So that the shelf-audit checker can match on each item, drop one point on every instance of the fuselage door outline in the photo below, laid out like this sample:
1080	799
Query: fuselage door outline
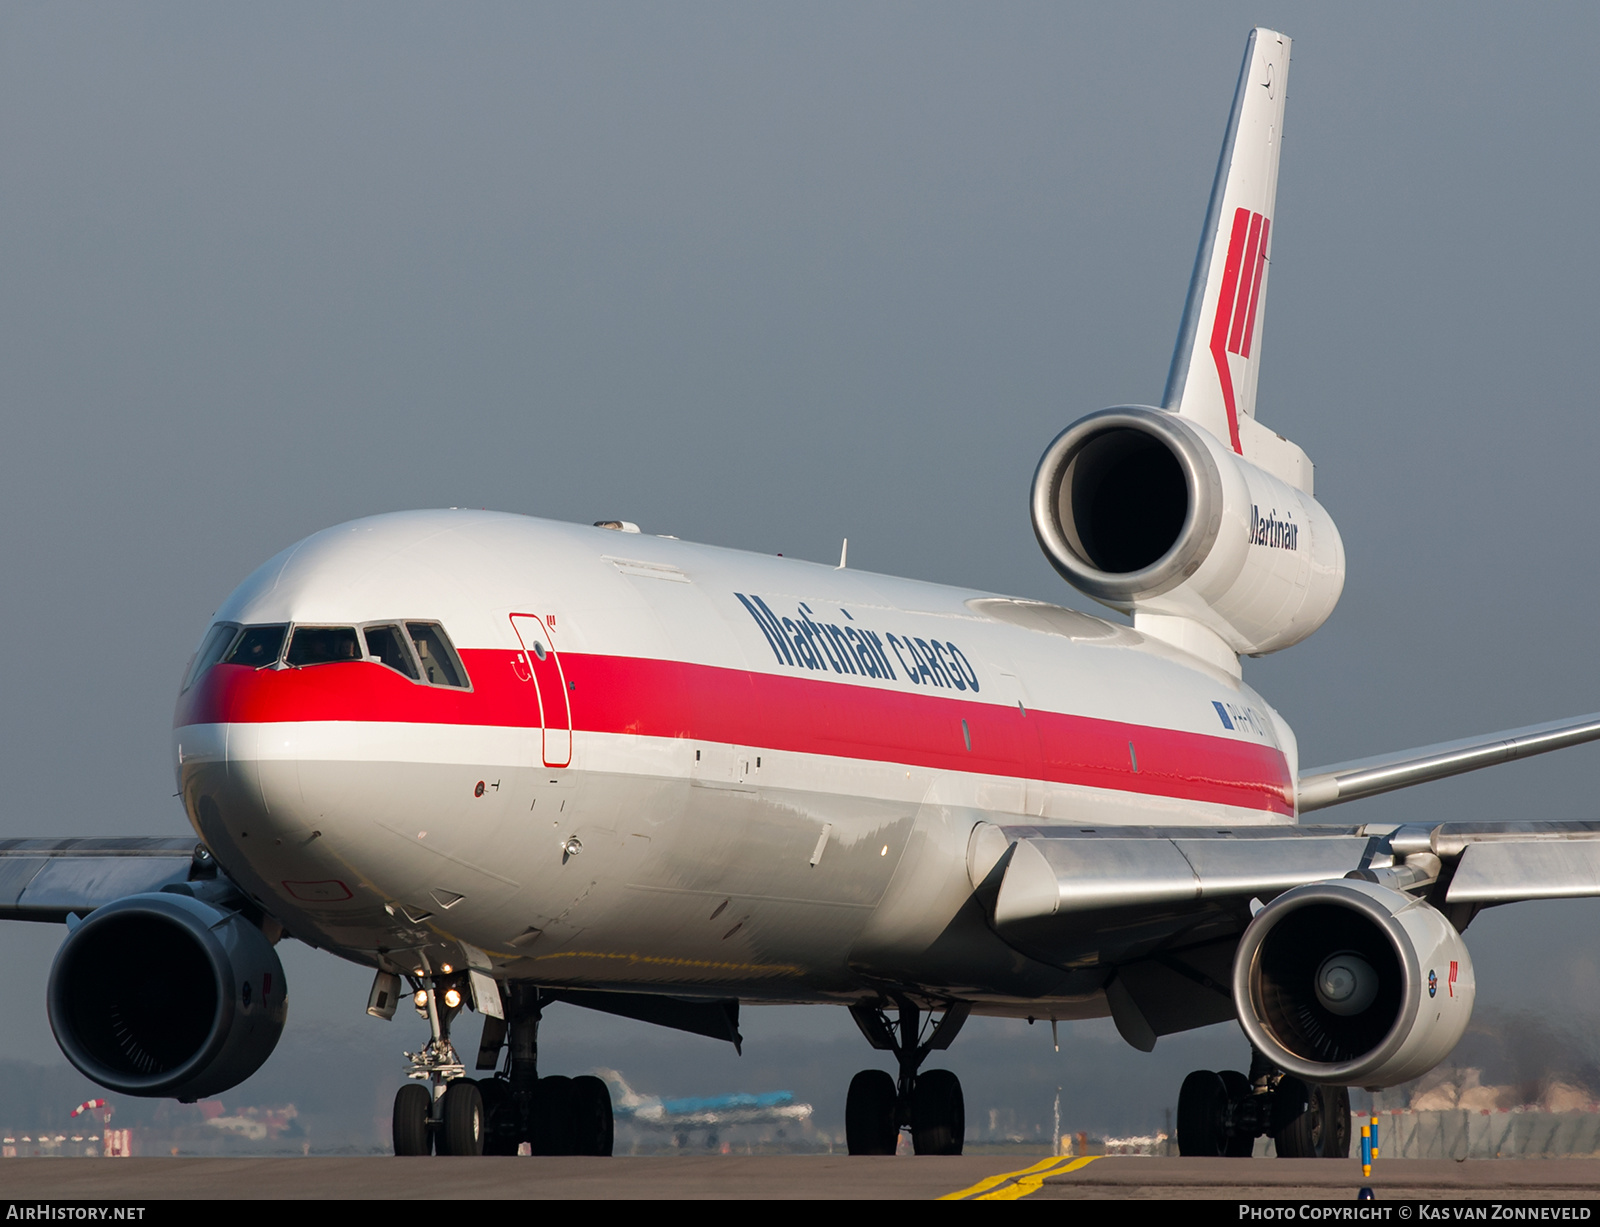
543	665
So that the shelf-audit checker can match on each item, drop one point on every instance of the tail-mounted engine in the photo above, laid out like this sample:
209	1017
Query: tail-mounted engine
1353	984
164	994
1149	513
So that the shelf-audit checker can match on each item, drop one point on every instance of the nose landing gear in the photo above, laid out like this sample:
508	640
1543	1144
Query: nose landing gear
413	1130
447	1114
929	1104
512	1112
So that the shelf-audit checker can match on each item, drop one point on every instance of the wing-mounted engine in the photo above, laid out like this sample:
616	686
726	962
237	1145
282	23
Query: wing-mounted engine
1352	983
1151	514
165	994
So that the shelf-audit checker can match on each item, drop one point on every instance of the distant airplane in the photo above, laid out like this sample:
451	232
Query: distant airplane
712	1112
513	762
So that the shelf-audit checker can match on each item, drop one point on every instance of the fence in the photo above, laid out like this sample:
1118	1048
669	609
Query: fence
1465	1134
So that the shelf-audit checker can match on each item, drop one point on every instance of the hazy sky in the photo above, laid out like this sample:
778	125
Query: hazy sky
768	276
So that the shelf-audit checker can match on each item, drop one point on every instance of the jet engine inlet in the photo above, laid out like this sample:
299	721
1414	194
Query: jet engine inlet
163	994
1350	983
1148	513
1126	503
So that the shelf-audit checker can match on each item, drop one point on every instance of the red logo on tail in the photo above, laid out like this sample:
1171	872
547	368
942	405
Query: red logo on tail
1242	274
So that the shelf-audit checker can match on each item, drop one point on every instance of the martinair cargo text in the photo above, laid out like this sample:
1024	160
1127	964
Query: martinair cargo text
506	762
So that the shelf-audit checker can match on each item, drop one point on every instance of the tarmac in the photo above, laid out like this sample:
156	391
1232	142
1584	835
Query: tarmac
792	1178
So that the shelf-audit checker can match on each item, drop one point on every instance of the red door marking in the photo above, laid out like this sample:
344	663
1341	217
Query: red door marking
539	658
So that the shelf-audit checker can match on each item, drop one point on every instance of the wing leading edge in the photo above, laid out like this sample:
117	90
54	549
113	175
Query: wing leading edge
51	879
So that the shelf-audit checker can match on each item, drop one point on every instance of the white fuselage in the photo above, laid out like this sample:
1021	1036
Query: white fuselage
728	773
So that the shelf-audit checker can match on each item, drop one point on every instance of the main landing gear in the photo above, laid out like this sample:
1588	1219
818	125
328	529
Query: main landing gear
1222	1114
929	1104
513	1112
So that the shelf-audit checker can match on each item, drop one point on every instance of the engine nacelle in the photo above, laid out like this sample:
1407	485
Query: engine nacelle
163	994
1147	512
1354	984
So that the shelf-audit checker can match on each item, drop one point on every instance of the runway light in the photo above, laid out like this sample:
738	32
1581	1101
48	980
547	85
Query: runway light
452	997
420	999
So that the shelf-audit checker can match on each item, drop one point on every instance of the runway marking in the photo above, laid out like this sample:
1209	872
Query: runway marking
1026	1181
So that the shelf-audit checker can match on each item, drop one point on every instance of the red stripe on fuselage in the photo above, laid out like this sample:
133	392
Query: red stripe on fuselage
665	698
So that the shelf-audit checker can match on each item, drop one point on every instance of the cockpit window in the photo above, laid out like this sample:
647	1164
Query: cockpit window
440	664
257	646
216	642
398	646
323	645
387	646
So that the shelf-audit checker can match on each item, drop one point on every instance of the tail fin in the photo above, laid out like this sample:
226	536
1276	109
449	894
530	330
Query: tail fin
1218	356
621	1093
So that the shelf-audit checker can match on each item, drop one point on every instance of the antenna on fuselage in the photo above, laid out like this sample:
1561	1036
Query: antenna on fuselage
844	552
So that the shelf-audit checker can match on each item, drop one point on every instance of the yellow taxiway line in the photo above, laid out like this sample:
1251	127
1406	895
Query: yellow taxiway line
1028	1180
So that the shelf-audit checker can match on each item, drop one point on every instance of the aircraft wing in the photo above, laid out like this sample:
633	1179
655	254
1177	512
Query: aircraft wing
1159	910
1367	777
50	879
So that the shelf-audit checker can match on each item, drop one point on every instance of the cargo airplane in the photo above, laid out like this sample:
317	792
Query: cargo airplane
505	762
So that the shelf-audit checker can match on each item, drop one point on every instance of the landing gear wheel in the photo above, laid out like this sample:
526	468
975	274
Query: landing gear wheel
499	1117
869	1125
461	1126
1313	1121
591	1116
411	1105
553	1132
1202	1102
938	1114
1239	1145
